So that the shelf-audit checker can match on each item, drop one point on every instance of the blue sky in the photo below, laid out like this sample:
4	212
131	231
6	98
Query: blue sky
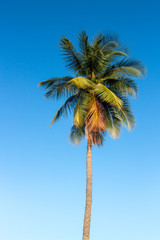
42	176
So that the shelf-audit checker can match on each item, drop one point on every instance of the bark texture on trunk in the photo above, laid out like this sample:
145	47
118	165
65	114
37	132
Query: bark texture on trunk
87	216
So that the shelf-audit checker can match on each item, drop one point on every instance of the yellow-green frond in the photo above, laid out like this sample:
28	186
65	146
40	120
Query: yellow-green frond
81	83
105	94
80	111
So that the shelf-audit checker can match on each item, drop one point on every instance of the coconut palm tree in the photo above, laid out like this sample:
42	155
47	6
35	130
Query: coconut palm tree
97	94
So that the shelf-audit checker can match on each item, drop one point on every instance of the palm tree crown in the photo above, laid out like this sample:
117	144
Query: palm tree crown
103	78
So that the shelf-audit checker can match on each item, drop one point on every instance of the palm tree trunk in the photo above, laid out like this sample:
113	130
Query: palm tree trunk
87	216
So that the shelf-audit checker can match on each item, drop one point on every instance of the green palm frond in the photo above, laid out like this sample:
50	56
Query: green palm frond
125	68
92	57
125	86
115	53
71	56
60	90
113	123
66	108
94	64
58	87
77	134
125	115
110	41
50	82
131	68
108	46
84	46
98	40
102	137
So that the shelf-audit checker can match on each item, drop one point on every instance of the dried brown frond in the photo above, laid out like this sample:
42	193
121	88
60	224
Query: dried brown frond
95	121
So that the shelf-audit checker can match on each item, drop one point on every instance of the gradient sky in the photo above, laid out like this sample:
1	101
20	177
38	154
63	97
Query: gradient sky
42	176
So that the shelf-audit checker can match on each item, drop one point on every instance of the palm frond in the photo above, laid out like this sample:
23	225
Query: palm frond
71	56
60	91
76	134
125	68
116	127
50	82
106	95
110	40
125	86
125	115
66	108
80	111
102	138
113	124
58	87
84	46
81	83
115	53
131	68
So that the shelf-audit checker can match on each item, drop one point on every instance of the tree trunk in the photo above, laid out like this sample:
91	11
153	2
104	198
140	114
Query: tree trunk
87	216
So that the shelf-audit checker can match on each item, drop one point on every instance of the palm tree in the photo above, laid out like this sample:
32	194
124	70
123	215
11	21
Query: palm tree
103	78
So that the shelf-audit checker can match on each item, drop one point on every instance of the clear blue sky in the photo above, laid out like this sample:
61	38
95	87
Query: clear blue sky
42	176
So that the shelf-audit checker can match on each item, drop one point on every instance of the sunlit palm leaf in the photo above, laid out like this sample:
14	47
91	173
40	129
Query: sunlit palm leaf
107	95
80	111
81	83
